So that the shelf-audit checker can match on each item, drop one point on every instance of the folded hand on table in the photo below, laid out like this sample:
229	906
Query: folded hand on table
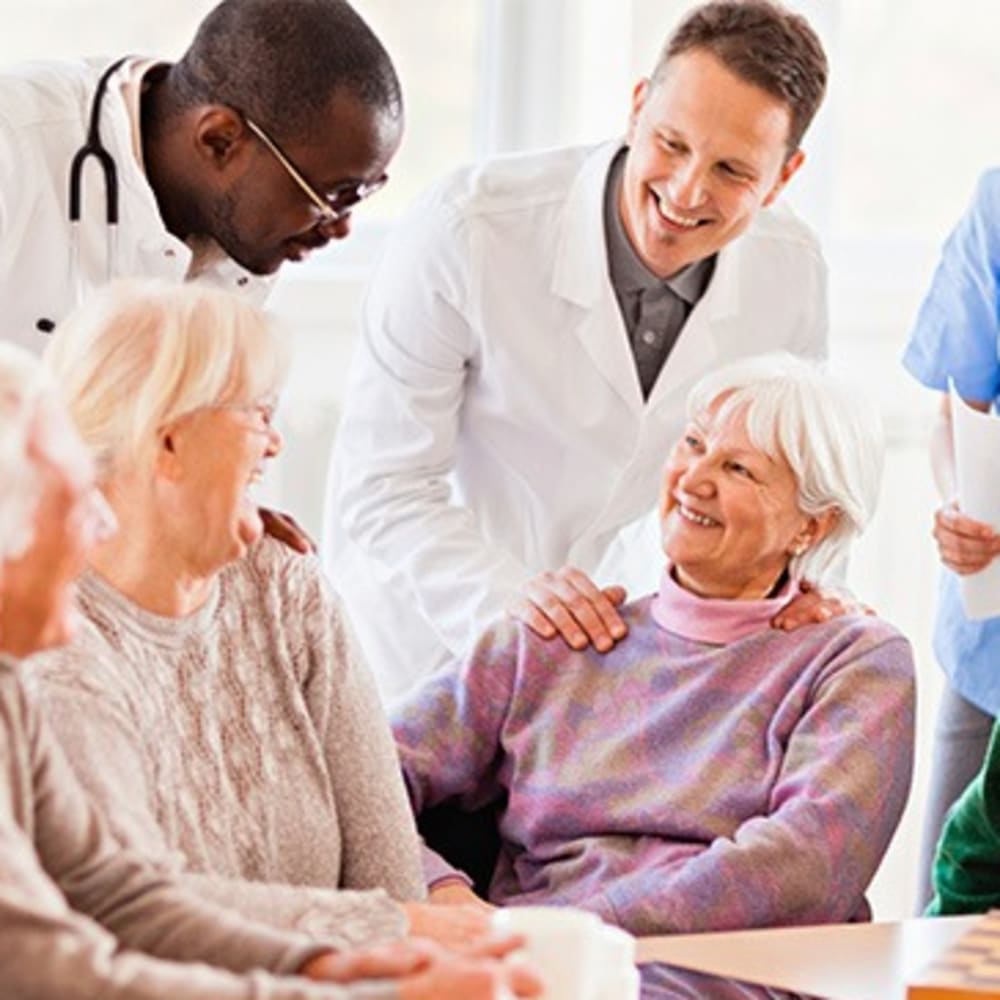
455	917
425	971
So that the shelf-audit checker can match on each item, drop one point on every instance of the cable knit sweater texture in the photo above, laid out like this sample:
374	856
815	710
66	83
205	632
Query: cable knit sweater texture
243	746
82	918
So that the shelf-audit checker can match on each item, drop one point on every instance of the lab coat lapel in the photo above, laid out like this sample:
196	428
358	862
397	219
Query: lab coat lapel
581	277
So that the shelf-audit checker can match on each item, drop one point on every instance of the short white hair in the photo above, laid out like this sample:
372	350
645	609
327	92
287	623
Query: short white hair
139	354
24	385
830	436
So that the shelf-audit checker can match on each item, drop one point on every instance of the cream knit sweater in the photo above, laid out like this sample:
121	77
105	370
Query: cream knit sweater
242	746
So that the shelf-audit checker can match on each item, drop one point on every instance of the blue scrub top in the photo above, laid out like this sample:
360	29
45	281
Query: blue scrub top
957	334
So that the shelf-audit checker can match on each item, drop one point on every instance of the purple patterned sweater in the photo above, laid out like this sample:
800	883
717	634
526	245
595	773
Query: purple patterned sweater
708	773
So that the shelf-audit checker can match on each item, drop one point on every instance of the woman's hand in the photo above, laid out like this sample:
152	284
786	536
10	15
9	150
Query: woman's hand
478	975
455	890
813	606
463	921
964	545
568	603
286	529
388	961
424	971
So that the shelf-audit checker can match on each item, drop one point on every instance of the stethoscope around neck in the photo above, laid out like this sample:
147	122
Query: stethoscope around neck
92	147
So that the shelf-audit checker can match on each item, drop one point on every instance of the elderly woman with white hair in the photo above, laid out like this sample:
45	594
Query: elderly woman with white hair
709	772
81	917
213	701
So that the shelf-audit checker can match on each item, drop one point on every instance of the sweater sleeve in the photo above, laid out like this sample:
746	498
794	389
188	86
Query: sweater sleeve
378	835
955	334
967	863
82	918
400	431
104	741
448	732
836	802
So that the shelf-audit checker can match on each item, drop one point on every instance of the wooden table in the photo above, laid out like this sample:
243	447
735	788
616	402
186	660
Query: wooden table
838	961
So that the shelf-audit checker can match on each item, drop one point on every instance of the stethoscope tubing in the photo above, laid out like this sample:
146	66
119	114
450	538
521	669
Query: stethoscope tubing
94	148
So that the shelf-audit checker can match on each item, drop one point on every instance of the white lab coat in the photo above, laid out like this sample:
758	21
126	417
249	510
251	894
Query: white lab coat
494	425
44	111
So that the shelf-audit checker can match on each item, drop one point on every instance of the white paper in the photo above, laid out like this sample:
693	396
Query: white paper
976	438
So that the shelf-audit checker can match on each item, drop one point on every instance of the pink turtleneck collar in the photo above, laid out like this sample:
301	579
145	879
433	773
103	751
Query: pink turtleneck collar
715	620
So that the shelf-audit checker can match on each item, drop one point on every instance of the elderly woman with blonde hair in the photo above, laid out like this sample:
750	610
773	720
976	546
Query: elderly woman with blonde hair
81	915
213	701
709	772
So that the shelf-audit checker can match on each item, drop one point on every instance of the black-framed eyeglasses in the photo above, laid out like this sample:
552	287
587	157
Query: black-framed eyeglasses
333	206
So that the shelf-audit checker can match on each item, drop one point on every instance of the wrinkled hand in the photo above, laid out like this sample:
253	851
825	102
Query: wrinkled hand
813	606
478	975
453	924
425	971
568	603
964	545
286	529
388	961
455	890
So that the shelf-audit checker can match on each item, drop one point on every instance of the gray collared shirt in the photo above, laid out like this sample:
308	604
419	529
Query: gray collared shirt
654	309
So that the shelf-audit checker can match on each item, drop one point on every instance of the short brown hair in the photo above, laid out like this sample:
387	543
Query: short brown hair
763	44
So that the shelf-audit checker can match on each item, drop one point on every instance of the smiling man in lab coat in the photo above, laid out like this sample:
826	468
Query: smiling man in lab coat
531	333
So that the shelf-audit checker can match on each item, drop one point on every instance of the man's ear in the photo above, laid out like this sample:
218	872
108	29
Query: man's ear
788	170
221	136
639	93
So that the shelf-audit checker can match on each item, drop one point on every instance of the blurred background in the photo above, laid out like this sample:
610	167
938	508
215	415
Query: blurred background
891	162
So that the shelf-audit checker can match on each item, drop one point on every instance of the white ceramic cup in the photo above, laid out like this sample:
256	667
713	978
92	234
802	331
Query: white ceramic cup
576	955
617	976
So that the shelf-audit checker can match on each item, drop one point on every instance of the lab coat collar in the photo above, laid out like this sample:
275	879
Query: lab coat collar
581	277
581	269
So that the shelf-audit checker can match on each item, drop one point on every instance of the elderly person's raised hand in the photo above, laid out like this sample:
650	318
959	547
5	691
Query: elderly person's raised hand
48	552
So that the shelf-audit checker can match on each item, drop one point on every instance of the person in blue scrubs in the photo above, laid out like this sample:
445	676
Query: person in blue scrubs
957	335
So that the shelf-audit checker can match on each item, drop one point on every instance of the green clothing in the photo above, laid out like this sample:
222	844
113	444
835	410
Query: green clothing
967	864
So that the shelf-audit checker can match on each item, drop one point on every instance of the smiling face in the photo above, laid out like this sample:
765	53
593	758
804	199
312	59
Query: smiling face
729	511
262	217
707	151
207	462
